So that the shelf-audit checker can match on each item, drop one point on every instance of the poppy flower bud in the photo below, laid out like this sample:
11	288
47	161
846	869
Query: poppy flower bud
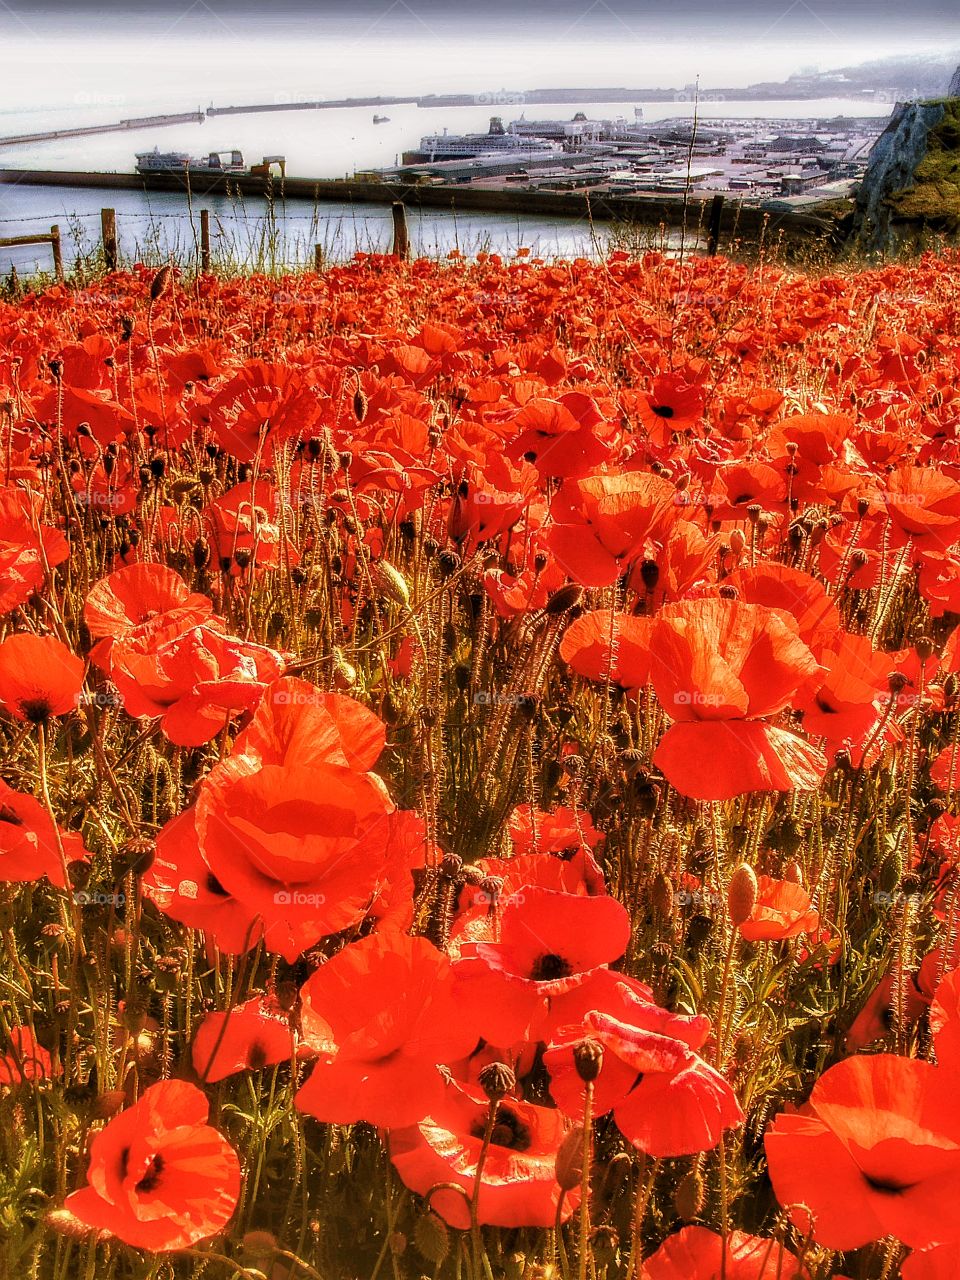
738	542
345	670
663	895
793	872
754	511
858	559
897	682
515	1266
563	599
497	1080
201	554
431	1238
689	1195
742	894
63	1222
345	458
109	1103
360	403
449	562
588	1059
158	286
392	582
569	1166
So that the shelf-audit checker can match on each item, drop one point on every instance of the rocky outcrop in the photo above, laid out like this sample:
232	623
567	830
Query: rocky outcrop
954	90
911	189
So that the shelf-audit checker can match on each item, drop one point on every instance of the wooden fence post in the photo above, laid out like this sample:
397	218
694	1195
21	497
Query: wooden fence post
714	225
318	258
108	227
401	241
57	252
204	240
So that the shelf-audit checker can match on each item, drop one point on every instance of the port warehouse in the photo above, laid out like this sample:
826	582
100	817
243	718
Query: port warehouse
737	218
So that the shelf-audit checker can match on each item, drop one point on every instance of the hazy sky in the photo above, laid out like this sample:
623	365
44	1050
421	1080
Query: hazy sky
195	50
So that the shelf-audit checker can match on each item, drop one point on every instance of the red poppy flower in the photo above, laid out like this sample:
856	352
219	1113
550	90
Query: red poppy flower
875	1152
797	594
160	1177
382	1014
302	848
602	522
782	910
923	503
30	845
25	1060
672	405
194	681
261	406
27	547
247	1037
120	604
717	667
694	1253
183	887
665	1099
550	942
560	437
518	1184
602	646
39	677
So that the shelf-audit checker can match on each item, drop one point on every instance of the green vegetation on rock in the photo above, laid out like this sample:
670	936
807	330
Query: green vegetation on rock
934	196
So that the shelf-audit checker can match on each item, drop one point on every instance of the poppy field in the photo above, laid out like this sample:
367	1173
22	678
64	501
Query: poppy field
479	773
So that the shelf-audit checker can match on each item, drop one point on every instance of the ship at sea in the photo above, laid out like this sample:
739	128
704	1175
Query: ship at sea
467	146
157	161
208	173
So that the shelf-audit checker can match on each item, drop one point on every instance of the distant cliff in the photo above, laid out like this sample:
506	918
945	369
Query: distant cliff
954	90
911	188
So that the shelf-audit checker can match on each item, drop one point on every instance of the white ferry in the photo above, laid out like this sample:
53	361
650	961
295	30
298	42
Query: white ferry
467	146
216	162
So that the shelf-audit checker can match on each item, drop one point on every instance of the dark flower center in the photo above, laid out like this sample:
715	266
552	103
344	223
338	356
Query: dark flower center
9	815
509	1131
549	967
36	710
887	1186
662	410
150	1179
214	886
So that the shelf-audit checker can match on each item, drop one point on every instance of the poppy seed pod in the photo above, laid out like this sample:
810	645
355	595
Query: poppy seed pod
742	894
588	1059
497	1080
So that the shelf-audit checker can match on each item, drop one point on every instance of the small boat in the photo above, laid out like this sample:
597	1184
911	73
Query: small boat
381	119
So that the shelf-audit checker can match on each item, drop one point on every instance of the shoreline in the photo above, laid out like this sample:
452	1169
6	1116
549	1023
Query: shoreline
736	216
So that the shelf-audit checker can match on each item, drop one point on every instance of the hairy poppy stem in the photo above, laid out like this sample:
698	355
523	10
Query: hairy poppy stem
587	1160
